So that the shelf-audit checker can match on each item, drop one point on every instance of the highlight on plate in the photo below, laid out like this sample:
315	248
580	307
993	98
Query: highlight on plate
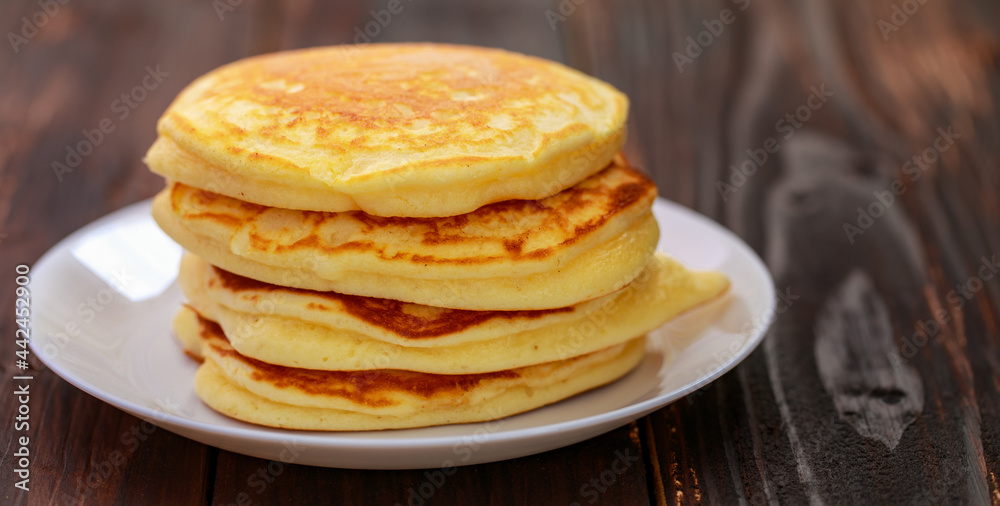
406	235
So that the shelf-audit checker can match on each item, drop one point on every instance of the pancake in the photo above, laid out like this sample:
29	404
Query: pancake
419	130
582	243
265	394
330	331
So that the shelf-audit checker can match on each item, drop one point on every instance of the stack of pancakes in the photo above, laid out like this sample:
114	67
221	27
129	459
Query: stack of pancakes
406	235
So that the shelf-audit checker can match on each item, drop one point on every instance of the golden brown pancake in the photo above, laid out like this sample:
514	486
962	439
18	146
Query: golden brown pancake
404	235
421	130
582	243
330	331
257	392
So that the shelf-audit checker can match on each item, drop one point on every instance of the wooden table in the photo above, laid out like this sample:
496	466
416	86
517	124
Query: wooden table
853	143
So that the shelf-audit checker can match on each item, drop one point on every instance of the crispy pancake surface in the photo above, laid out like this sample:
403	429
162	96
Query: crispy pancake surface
420	130
330	331
582	243
257	392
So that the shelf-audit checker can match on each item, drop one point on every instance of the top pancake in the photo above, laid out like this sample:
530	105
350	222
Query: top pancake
419	130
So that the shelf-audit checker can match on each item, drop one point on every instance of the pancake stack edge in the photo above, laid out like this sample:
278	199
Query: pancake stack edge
405	235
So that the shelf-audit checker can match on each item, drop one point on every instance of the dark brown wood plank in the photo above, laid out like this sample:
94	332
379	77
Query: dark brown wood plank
64	80
839	405
607	470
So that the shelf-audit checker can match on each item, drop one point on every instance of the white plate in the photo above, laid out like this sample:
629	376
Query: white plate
103	297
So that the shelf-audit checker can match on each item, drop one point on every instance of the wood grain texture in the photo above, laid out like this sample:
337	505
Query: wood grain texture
63	81
585	473
880	379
